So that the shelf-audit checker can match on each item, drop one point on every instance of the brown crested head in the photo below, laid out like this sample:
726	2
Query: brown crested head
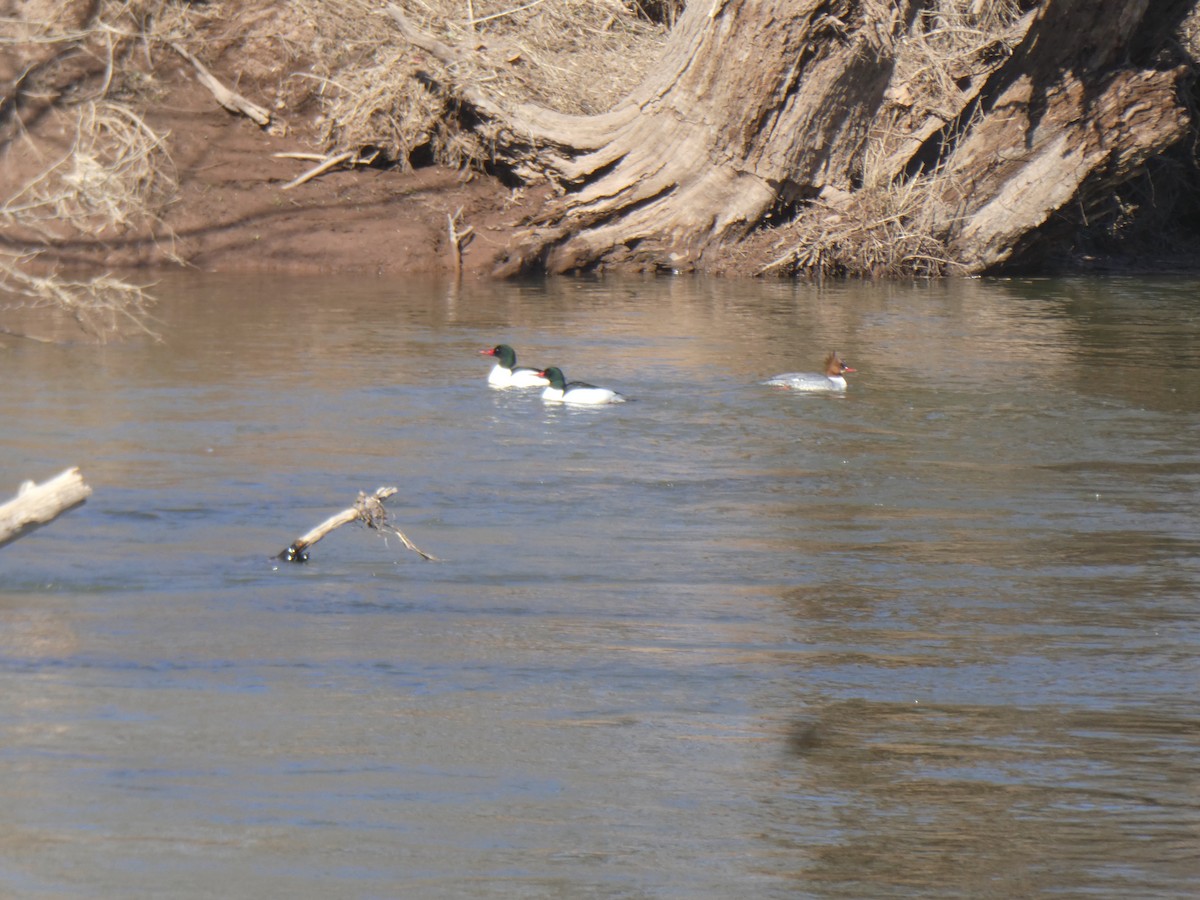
834	365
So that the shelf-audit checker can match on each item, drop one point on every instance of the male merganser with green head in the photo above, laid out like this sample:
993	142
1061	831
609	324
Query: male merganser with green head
563	391
506	373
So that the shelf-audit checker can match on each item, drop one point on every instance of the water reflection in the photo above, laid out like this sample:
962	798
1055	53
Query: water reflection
932	638
991	800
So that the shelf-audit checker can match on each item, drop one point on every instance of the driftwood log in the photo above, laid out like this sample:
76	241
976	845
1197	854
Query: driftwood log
369	510
38	504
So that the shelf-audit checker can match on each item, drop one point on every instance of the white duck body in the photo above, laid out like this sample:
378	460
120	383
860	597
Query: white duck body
507	374
808	381
521	377
578	392
833	378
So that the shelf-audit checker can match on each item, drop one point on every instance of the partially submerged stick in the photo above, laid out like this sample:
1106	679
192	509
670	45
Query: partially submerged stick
369	510
38	504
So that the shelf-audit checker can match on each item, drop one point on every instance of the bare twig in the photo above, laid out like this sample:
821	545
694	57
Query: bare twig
306	157
509	12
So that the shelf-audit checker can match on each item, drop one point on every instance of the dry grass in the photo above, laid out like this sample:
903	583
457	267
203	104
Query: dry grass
940	64
41	31
885	228
878	232
952	41
89	66
69	61
574	56
114	177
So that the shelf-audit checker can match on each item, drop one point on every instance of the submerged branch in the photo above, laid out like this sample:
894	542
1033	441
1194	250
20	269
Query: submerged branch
369	510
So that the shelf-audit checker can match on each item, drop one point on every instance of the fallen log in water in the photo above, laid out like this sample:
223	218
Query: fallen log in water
369	510
38	504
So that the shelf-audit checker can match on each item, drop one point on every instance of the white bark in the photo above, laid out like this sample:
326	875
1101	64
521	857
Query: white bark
39	504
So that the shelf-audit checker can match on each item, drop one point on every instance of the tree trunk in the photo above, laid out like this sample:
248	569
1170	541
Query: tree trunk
757	104
824	113
1065	121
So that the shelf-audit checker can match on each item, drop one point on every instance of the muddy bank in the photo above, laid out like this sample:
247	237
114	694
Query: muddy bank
232	214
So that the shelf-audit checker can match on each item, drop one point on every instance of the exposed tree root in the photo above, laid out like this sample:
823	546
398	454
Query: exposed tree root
966	111
685	164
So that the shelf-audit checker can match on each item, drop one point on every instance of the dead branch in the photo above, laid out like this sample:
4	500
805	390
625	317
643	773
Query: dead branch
39	504
319	169
369	510
306	157
231	100
346	157
458	240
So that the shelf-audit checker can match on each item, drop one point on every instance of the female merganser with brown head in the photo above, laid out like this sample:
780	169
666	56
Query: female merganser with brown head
506	373
833	378
563	391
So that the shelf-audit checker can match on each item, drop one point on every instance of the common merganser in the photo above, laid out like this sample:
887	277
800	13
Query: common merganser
832	380
506	373
563	391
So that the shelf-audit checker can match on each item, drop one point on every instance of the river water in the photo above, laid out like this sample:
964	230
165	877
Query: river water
936	637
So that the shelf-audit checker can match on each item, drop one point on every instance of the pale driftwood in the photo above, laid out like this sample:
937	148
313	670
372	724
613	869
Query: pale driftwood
38	504
369	510
231	100
347	157
458	240
307	157
319	169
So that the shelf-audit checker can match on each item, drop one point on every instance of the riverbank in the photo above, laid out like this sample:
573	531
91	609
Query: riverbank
225	204
232	212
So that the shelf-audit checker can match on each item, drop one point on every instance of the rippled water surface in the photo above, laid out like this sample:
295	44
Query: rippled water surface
936	637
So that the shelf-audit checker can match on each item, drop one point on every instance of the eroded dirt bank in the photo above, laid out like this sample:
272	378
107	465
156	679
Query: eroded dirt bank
232	214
